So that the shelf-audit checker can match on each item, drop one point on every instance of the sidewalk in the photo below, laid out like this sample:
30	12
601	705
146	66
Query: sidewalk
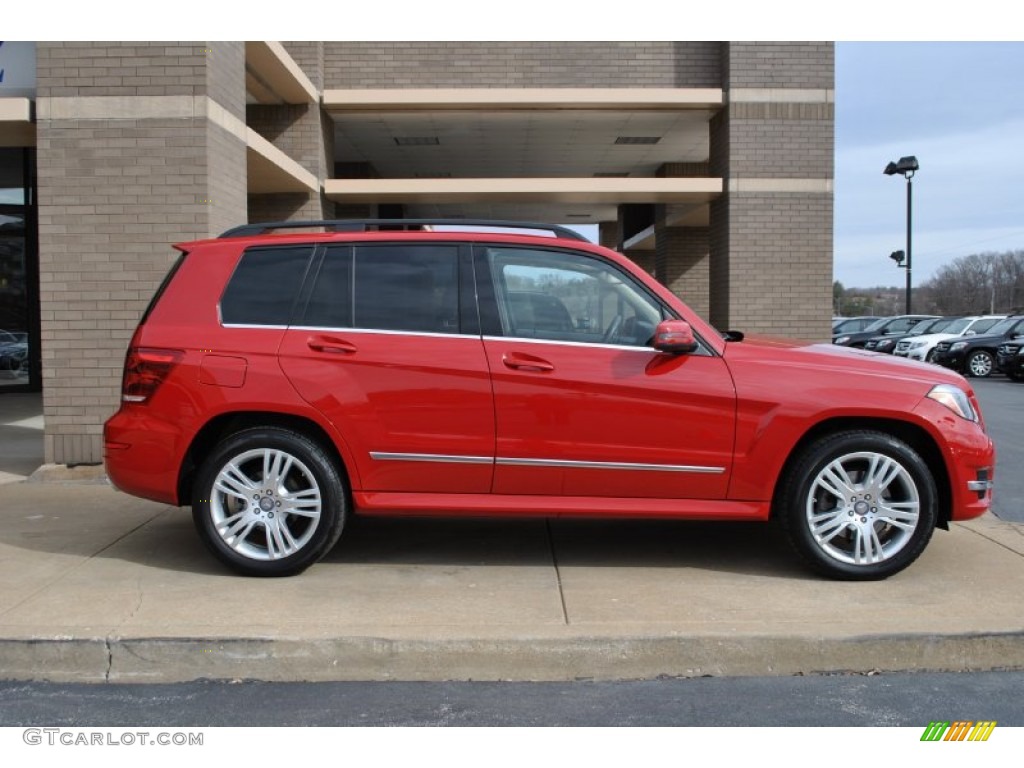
96	585
21	435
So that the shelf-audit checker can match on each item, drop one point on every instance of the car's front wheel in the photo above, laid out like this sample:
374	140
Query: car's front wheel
269	502
858	505
980	364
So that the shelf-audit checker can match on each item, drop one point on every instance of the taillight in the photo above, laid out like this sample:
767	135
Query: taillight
145	369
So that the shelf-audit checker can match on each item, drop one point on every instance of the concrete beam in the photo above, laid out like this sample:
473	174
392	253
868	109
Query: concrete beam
433	99
276	77
560	190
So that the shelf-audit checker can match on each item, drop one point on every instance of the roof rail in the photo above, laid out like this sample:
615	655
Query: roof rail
365	225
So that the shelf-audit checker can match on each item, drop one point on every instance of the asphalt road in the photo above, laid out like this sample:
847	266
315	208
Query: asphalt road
1002	406
844	700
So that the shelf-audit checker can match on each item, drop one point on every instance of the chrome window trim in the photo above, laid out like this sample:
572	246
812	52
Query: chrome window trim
430	457
571	464
383	331
254	325
588	344
553	463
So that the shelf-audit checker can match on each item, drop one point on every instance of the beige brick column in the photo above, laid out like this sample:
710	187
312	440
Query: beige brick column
682	263
140	149
771	232
609	234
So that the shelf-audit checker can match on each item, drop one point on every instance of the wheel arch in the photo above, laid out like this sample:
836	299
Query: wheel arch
222	425
915	436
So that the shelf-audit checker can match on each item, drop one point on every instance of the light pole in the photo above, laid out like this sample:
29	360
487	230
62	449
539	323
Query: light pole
906	167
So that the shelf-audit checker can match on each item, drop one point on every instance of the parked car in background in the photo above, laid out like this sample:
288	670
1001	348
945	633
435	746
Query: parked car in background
1015	368
886	326
1008	357
976	356
13	354
887	344
923	347
281	382
852	324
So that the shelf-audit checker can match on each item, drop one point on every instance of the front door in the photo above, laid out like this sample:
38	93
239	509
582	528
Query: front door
584	406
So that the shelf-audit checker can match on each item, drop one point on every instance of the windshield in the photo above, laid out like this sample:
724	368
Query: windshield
877	324
1003	326
928	326
960	325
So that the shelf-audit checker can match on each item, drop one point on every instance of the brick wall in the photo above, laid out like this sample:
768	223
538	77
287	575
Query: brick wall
779	265
114	193
120	69
771	247
682	264
426	64
779	64
782	140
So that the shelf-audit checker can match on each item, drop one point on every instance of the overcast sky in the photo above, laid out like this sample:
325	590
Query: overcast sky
957	107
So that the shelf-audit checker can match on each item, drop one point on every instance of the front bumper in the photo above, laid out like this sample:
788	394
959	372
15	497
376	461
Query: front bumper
970	458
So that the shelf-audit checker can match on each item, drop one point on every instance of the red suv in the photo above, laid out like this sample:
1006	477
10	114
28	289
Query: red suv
279	383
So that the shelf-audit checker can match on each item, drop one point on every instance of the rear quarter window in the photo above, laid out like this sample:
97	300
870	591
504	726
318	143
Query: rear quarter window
264	286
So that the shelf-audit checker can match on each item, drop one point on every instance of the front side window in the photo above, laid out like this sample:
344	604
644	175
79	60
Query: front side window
559	296
387	287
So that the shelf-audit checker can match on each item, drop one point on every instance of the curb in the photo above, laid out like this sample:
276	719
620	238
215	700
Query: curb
173	660
62	474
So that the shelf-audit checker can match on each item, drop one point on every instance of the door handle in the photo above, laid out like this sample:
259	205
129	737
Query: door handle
522	362
330	344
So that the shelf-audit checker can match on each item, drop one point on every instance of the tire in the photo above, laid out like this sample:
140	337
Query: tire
930	357
276	528
858	506
1015	375
980	364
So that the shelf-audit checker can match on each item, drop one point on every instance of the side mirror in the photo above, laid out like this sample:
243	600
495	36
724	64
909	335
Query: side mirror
674	337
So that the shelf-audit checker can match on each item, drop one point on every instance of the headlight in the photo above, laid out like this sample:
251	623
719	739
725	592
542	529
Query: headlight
957	346
841	340
883	344
918	344
955	399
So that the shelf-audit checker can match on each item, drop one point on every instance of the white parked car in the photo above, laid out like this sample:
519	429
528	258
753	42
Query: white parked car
923	347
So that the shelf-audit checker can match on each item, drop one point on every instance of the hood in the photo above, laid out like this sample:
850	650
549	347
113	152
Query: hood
932	338
830	358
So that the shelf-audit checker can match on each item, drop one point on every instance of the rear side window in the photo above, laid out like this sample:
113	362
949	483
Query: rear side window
387	287
264	286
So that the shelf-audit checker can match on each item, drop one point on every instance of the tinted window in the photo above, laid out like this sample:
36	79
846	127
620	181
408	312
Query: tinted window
569	297
387	287
983	325
264	286
330	304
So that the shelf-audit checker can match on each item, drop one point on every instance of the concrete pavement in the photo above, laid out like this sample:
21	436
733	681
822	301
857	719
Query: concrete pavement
21	435
99	586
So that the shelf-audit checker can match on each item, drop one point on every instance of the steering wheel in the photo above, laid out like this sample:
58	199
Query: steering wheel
612	332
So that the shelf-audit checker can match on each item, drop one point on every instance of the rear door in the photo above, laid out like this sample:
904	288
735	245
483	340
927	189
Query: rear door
388	349
585	407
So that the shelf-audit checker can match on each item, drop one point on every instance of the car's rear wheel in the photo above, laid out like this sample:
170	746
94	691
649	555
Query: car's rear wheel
980	363
858	505
269	502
